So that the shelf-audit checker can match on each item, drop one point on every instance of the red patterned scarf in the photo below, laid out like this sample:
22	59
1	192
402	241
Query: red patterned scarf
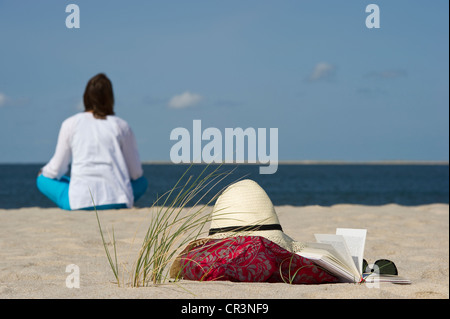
249	259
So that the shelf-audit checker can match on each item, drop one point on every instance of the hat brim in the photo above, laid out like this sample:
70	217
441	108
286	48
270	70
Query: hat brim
276	236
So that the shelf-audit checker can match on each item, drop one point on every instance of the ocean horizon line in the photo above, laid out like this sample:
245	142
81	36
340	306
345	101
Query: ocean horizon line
316	162
282	162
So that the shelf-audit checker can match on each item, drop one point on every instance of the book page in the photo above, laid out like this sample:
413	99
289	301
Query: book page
355	240
325	256
321	246
322	261
339	244
376	278
321	249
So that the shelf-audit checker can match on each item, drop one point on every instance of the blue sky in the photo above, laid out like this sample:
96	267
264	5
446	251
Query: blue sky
335	89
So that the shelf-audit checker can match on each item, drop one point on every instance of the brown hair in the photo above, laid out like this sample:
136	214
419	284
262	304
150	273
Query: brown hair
99	97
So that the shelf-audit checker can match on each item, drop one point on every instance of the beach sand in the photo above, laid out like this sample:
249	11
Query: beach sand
36	246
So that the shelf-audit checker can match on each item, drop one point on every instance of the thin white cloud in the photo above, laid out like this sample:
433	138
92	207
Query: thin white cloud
6	101
80	106
322	71
186	99
3	99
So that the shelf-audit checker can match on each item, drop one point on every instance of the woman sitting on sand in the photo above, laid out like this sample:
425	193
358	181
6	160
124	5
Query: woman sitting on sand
103	153
246	243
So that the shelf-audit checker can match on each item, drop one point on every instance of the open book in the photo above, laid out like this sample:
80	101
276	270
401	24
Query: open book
342	255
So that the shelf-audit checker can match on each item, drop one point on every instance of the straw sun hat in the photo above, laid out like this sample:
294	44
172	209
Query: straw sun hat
245	209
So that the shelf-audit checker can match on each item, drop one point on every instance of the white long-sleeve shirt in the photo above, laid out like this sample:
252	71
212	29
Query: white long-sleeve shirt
104	158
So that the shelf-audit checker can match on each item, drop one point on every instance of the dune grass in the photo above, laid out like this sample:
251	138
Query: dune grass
178	217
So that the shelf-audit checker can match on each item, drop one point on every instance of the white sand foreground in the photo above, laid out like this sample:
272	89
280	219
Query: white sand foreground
36	246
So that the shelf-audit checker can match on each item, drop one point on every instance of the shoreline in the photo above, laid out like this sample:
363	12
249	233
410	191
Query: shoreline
285	162
37	245
312	162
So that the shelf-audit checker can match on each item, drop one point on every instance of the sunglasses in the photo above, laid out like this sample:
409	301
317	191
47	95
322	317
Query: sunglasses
381	267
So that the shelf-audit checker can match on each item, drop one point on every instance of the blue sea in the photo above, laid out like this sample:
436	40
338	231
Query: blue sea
292	184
